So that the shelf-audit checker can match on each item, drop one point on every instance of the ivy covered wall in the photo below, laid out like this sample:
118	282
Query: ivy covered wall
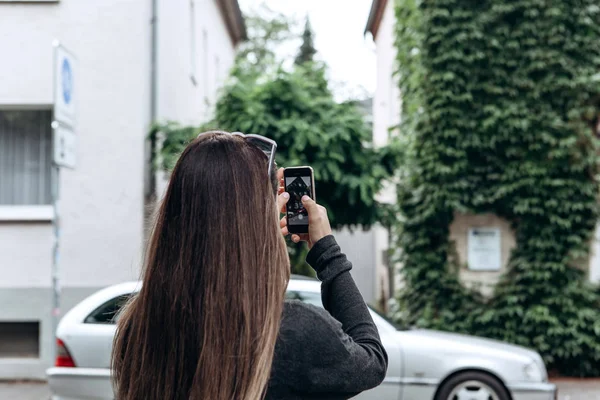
500	105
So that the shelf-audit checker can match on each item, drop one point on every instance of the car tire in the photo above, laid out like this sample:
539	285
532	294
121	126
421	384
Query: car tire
465	384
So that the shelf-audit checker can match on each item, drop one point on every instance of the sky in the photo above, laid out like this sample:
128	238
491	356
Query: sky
338	27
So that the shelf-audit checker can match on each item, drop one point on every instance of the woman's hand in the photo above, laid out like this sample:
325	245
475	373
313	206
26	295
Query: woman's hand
318	222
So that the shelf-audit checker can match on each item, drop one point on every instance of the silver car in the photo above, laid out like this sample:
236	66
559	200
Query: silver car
422	364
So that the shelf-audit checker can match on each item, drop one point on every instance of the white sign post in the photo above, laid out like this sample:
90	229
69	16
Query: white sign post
484	249
64	143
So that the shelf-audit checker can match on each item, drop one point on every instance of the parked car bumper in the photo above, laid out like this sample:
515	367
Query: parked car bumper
80	383
534	391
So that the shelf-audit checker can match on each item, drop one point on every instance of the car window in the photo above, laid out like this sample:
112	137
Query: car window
107	312
307	297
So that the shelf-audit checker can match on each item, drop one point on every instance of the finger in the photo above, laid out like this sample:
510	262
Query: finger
303	237
280	174
283	222
282	200
284	231
311	207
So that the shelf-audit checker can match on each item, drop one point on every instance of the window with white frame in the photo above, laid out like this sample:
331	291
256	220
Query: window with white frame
25	157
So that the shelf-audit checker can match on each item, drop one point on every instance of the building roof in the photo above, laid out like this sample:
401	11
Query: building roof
234	21
375	16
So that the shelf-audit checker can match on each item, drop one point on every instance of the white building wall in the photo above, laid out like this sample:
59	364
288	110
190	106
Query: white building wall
179	98
386	115
102	201
367	250
25	255
359	247
386	104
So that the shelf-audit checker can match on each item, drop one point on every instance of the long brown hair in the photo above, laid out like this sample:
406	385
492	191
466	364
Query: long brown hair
205	322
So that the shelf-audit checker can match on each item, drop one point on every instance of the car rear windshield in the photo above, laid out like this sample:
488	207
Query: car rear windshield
107	313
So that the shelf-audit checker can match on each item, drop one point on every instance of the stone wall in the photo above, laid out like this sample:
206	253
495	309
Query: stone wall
459	230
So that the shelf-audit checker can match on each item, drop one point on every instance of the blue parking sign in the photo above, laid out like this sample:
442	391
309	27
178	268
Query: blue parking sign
65	77
67	80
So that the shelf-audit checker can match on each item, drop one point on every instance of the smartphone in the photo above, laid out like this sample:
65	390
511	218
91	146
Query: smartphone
298	182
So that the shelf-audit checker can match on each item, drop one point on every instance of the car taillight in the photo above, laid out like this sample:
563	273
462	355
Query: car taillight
63	358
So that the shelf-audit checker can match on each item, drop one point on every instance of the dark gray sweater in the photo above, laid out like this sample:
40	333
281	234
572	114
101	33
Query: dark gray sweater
334	353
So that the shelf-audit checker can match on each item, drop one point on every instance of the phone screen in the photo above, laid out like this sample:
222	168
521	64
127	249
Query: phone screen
297	186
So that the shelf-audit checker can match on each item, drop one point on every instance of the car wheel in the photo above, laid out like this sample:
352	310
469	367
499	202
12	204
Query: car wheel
472	386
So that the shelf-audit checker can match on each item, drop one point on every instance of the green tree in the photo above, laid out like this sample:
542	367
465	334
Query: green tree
307	49
267	30
297	109
499	105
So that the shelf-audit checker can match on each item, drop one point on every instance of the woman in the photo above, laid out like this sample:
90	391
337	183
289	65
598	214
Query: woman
210	321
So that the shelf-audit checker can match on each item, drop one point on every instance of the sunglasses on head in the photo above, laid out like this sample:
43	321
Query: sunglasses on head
266	145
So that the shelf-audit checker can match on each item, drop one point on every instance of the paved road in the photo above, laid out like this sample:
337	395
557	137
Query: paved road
24	391
578	390
568	390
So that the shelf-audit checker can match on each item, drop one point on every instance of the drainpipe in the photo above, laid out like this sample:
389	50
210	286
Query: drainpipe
150	142
153	96
153	60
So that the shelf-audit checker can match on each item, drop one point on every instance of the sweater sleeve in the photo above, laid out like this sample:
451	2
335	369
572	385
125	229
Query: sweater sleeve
345	354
